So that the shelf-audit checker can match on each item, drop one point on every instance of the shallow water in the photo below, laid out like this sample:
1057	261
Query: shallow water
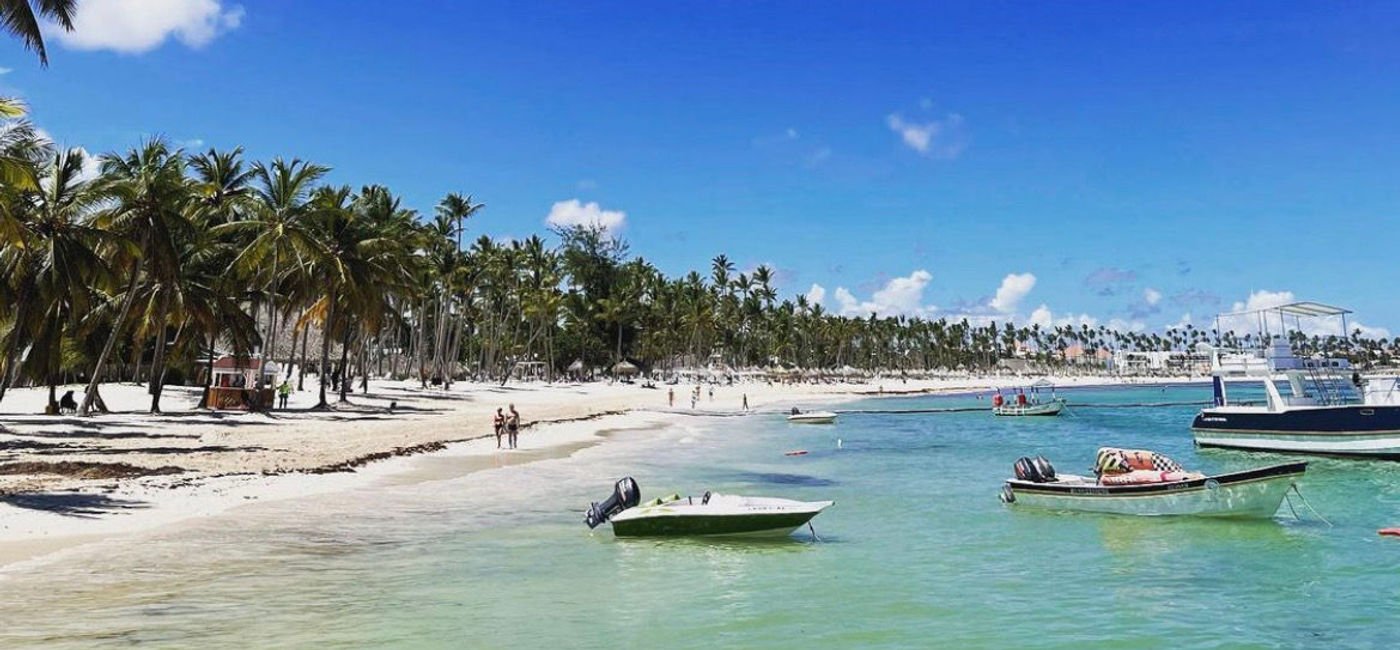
917	552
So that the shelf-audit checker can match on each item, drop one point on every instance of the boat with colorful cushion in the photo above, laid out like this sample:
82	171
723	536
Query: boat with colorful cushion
1138	482
705	516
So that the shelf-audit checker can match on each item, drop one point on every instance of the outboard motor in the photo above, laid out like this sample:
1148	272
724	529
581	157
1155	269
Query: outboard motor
626	494
1035	470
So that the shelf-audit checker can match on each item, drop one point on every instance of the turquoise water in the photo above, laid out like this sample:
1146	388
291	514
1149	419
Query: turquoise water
917	552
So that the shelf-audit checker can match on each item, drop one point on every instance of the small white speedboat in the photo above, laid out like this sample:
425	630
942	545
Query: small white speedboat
812	417
711	515
1255	493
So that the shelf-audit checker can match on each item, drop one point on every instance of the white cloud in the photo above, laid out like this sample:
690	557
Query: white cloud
901	296
566	214
846	304
946	138
92	166
135	26
5	71
1045	318
816	294
1042	316
1013	289
818	157
791	133
1152	296
1121	325
1181	324
587	184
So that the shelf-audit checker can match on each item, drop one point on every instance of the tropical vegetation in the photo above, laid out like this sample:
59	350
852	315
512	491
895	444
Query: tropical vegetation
148	267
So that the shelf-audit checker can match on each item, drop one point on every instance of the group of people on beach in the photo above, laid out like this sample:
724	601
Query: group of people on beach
507	424
695	397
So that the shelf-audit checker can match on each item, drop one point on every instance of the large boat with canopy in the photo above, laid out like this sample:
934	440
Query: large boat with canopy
1310	404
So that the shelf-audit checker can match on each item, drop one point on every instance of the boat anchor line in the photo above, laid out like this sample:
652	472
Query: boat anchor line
1306	504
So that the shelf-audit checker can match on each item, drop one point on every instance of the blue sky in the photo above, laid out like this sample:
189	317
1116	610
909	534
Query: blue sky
1115	162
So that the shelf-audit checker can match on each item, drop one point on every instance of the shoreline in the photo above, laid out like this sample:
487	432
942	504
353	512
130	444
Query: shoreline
41	523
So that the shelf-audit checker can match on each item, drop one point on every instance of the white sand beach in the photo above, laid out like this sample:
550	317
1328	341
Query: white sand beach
67	480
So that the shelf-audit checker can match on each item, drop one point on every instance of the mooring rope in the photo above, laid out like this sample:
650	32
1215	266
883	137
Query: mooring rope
1309	505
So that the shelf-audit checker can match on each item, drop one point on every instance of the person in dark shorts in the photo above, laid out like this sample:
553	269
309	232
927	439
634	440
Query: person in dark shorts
513	425
500	426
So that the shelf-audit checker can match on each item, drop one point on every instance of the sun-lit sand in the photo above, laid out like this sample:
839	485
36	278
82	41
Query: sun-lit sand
68	479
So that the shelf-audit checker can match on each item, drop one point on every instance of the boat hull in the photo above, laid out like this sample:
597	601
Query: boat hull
1253	494
747	525
813	418
1348	431
1012	410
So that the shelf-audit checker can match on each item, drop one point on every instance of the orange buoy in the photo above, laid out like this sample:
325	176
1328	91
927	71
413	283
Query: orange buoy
1389	532
796	452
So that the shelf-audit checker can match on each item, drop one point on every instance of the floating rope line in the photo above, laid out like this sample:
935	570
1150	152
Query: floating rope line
967	409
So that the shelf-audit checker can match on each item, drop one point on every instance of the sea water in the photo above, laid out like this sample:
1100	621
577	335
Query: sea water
917	551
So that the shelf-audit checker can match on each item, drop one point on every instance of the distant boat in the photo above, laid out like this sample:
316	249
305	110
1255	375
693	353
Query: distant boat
711	515
812	417
1255	493
1052	407
1311	405
1027	401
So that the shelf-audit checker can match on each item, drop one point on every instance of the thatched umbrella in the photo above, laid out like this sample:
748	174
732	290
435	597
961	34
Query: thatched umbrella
625	367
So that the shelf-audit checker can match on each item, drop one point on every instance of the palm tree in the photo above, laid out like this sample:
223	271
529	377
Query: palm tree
149	196
52	272
21	18
21	150
275	234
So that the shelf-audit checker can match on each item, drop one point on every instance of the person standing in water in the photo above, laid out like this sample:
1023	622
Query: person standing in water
513	425
500	423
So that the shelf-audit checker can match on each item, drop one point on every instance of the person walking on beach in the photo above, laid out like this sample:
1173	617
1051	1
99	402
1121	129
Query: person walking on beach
283	391
746	401
712	392
671	397
513	425
500	423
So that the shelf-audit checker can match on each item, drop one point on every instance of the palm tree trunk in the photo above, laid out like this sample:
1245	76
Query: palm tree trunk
158	358
112	339
345	376
208	374
12	351
301	368
270	343
326	346
165	365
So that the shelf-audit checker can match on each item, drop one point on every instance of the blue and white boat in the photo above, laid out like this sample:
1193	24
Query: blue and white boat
1311	405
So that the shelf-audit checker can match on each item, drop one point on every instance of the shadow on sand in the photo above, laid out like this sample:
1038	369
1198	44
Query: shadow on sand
73	504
